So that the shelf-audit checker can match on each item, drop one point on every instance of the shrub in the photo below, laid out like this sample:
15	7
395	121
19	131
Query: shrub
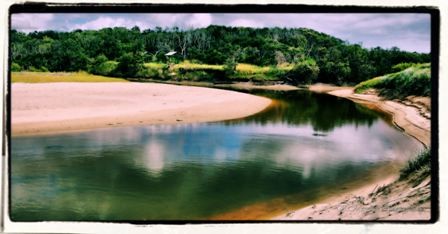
33	69
40	69
15	67
275	73
303	72
102	66
107	68
129	65
230	67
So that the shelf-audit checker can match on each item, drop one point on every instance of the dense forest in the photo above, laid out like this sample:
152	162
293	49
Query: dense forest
289	53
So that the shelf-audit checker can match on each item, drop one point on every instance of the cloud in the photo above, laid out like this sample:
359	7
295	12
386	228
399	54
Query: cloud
246	23
164	20
31	22
199	20
110	22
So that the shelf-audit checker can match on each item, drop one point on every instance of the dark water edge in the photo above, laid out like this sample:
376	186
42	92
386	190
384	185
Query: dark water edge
295	149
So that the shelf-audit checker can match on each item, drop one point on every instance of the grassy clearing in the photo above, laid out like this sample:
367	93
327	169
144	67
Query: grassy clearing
256	73
187	65
244	68
415	80
155	65
46	77
207	72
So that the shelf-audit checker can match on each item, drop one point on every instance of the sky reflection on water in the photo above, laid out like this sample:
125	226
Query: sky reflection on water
194	171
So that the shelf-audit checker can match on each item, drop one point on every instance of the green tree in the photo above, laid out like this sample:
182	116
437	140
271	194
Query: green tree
129	65
230	67
304	72
338	61
16	67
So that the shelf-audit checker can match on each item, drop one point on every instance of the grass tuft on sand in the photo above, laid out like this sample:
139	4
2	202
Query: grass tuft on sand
47	77
417	169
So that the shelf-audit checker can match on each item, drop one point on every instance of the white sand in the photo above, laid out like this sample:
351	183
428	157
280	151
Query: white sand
60	107
371	202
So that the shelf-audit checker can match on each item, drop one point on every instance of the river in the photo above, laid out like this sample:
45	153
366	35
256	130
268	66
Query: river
301	148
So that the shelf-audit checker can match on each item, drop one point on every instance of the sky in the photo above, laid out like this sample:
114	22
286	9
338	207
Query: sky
407	31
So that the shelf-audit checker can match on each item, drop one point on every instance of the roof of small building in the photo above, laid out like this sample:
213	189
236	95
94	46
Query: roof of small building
170	53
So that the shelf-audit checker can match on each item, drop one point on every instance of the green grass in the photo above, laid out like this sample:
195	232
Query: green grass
415	80
47	77
186	65
417	169
246	69
402	66
369	84
207	72
155	65
251	72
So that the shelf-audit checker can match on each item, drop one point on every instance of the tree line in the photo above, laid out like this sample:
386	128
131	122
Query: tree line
318	56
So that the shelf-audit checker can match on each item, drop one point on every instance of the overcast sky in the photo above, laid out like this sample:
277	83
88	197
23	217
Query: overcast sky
410	32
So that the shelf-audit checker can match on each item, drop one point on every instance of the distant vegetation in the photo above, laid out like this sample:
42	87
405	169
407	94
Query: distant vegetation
213	53
414	80
43	77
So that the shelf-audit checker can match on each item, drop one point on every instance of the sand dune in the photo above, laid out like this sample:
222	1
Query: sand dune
60	107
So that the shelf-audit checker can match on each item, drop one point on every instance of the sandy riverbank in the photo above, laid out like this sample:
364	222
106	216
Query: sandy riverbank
235	86
60	107
412	116
388	198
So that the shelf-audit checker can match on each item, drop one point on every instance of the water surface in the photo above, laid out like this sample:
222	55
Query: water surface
303	144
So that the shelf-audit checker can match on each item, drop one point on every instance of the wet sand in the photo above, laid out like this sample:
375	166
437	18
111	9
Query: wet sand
60	107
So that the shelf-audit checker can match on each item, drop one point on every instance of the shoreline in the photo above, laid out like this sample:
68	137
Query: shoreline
283	208
411	118
51	108
407	117
384	199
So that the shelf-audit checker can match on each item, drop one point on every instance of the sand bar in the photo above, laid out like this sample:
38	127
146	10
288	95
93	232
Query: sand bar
60	107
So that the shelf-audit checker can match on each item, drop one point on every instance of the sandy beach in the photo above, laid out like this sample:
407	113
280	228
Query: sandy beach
387	198
59	107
